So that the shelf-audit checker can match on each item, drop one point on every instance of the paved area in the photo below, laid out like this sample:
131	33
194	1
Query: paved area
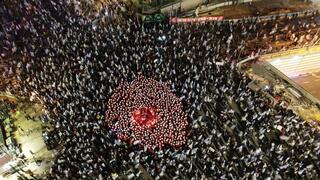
259	8
304	69
310	82
35	160
297	65
186	5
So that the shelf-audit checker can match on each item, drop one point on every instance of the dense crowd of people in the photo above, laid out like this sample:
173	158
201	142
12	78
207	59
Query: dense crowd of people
73	65
145	111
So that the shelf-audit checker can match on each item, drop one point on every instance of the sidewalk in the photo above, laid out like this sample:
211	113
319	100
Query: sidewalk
186	5
260	8
28	135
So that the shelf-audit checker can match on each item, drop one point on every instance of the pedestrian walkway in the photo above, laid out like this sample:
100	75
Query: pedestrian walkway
34	157
260	8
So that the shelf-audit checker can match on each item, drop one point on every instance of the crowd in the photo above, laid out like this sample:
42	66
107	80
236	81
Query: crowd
145	111
74	66
5	108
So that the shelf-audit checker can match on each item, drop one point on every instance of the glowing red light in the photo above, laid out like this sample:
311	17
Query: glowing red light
144	117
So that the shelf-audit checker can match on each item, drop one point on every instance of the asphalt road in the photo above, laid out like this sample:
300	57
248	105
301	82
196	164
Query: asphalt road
310	82
297	65
303	69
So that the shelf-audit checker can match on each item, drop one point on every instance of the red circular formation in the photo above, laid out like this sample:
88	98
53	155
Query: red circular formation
145	117
147	111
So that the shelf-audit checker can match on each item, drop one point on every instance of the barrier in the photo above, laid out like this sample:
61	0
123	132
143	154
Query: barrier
188	5
260	18
297	50
199	19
